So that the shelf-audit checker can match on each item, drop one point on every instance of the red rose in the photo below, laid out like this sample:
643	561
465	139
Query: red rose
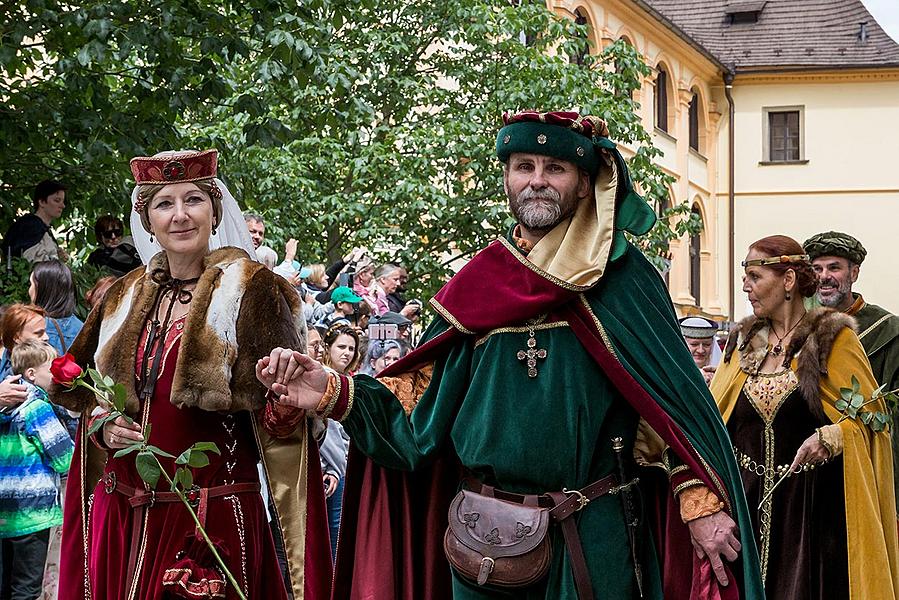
65	370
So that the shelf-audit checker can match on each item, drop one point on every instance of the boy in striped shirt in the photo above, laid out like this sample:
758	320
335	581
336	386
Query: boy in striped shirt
35	449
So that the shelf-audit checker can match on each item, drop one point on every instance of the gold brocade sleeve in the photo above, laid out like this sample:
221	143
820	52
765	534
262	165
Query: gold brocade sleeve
409	387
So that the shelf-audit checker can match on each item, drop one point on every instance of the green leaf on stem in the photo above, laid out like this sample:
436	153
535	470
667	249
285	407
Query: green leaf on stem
148	468
96	377
119	395
856	386
841	405
99	423
867	417
132	448
183	478
198	459
206	447
159	451
857	400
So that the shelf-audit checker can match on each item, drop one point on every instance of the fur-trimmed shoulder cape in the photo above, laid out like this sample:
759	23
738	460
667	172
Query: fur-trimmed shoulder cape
825	354
811	345
240	311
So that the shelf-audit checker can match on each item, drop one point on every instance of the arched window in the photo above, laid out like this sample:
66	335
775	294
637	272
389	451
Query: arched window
696	262
579	57
694	121
661	103
663	205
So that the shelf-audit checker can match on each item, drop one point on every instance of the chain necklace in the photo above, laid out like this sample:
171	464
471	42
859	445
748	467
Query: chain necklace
778	348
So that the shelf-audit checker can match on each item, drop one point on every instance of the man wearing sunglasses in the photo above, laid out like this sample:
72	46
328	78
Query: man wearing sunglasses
116	252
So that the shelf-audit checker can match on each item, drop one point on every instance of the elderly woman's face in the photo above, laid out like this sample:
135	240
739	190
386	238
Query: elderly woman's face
364	276
763	286
181	218
390	357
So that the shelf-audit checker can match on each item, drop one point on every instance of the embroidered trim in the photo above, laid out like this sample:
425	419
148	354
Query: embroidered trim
351	391
678	469
449	317
538	327
333	379
204	588
602	330
239	521
551	278
874	326
687	484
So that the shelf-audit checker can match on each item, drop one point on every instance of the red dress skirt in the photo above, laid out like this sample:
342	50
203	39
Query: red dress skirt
236	522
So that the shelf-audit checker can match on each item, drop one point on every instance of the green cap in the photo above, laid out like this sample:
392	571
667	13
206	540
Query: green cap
344	294
835	243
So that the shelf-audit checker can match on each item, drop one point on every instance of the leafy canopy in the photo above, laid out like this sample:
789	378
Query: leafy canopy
342	122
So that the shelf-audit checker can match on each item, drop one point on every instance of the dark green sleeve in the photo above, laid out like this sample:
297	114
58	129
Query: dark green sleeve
378	425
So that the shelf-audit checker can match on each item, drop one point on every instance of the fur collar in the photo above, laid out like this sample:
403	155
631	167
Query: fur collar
213	370
810	346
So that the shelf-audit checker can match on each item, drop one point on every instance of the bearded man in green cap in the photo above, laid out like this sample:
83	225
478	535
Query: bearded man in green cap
837	258
594	463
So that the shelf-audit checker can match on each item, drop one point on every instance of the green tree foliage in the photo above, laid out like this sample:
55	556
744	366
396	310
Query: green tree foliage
343	123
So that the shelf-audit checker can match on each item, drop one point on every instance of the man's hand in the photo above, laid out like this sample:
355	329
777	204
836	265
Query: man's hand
330	482
295	378
812	451
714	536
12	393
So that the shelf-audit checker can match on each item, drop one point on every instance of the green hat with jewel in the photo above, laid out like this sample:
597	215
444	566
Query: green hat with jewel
584	141
835	243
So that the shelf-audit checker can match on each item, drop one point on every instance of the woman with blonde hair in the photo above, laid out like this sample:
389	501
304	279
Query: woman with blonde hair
183	335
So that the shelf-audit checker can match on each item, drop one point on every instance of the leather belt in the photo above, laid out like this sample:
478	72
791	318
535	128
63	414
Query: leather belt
141	500
563	505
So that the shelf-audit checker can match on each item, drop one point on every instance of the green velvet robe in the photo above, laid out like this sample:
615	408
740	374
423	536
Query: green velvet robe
878	331
534	435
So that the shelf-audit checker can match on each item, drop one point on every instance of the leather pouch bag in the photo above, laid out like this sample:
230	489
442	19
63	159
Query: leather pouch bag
491	541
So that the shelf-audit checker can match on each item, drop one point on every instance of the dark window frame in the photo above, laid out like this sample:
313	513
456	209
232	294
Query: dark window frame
696	262
661	99
694	122
784	135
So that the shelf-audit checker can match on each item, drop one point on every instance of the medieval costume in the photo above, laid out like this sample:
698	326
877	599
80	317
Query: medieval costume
821	533
124	540
577	347
878	329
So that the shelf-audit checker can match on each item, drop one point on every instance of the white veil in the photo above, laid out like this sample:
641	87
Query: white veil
231	230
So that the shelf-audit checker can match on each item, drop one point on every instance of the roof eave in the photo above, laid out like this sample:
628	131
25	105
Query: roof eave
682	34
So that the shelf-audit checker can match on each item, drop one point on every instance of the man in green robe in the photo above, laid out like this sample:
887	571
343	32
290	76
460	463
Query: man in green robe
837	258
551	343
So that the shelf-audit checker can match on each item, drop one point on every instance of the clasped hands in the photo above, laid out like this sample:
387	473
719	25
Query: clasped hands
294	378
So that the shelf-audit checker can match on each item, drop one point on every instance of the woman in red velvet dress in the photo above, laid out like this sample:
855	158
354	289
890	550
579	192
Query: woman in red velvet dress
184	334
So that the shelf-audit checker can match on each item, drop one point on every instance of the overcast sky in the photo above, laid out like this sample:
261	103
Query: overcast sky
887	14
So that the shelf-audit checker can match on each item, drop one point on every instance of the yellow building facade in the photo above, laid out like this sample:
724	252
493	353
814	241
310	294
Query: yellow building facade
812	143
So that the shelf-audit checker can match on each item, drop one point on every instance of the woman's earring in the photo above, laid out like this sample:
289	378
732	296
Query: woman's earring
787	295
214	227
151	237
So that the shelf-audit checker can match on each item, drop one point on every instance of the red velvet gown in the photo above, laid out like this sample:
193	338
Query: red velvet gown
236	522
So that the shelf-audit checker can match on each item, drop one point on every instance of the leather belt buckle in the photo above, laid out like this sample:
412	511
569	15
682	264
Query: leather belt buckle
582	500
193	496
109	482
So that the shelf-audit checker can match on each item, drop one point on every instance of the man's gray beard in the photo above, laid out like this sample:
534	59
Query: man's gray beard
537	210
836	299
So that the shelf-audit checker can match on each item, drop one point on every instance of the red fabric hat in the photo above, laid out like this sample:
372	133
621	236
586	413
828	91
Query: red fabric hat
175	168
586	125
